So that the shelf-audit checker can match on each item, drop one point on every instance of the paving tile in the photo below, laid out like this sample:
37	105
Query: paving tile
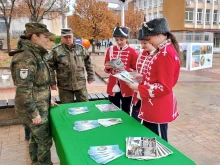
0	149
215	163
4	131
16	160
195	133
13	150
11	141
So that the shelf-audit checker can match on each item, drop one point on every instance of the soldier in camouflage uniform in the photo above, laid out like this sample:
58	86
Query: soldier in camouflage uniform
69	59
31	77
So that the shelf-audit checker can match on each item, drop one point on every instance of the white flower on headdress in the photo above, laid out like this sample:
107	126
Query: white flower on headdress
145	25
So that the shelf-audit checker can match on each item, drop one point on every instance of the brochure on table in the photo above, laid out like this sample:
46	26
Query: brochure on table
196	56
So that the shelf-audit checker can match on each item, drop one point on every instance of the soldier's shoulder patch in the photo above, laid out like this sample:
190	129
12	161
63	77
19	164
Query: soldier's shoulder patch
80	45
23	73
56	46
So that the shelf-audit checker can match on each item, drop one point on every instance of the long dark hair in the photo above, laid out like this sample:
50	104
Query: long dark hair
173	41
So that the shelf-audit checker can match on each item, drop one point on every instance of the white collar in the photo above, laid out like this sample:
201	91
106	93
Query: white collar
164	44
125	47
152	52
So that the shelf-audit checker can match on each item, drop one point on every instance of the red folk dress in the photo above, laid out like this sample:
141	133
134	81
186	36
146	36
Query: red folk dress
141	69
129	57
158	103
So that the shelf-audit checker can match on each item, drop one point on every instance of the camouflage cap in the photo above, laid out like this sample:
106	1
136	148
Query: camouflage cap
66	32
33	28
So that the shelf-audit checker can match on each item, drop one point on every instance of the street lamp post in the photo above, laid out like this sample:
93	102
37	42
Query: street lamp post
119	2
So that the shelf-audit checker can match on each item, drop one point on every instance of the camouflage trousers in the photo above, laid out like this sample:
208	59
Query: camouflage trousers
40	142
68	96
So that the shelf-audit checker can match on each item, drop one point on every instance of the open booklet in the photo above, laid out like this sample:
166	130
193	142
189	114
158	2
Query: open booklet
145	148
117	63
125	76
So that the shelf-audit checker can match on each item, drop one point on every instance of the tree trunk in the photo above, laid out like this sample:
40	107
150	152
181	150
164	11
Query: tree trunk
8	39
93	45
93	48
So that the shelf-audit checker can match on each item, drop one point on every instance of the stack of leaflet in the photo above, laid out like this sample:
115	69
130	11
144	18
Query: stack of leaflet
78	110
145	148
84	125
107	107
105	154
109	121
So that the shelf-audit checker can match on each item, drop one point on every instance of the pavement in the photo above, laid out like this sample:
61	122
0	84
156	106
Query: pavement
195	133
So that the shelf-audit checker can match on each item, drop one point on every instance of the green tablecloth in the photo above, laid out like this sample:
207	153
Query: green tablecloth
72	146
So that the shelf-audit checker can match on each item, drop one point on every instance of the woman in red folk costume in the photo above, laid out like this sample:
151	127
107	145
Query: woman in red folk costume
145	53
119	92
159	105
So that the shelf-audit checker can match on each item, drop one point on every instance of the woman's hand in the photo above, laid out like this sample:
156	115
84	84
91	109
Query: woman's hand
133	86
108	66
138	77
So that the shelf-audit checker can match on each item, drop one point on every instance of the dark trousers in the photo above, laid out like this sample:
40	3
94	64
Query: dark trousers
135	110
27	132
154	128
122	102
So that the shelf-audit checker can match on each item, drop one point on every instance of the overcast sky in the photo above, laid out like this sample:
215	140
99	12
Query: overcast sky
73	1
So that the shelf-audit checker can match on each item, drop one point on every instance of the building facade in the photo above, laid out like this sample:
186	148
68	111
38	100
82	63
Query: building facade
53	19
194	16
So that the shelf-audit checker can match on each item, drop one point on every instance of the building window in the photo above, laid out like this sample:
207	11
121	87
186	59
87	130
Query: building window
135	4
160	14
145	4
155	15
3	28
215	16
216	42
189	15
197	37
206	37
207	17
150	17
199	16
155	3
188	36
140	4
150	3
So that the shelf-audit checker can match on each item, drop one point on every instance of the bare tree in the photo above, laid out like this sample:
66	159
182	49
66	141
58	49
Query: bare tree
40	9
6	7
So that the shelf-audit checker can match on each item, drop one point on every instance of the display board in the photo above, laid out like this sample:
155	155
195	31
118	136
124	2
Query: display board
196	56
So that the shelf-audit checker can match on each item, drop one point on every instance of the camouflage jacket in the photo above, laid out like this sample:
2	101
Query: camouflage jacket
30	74
69	64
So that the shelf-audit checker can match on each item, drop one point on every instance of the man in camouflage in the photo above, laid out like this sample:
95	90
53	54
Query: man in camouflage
31	77
69	59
